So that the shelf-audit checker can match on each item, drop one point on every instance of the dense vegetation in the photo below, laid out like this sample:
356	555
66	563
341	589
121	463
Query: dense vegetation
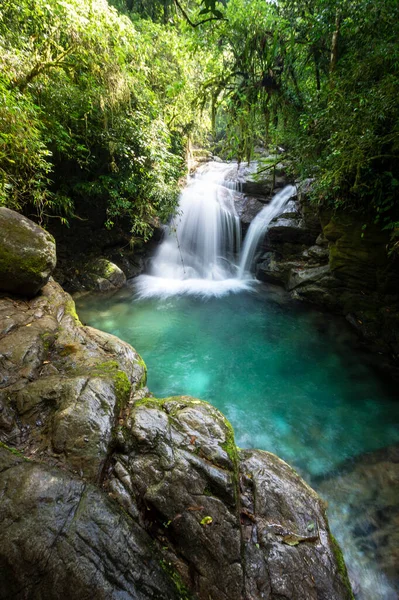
98	102
93	109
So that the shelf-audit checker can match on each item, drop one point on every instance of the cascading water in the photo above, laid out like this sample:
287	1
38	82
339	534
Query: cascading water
199	254
259	226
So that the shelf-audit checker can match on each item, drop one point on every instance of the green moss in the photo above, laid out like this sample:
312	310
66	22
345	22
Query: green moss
122	385
341	565
47	339
229	445
143	379
34	262
182	590
12	450
70	309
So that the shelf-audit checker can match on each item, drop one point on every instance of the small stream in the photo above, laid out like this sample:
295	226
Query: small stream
291	380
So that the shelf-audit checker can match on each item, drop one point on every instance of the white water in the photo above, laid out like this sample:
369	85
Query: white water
259	226
199	254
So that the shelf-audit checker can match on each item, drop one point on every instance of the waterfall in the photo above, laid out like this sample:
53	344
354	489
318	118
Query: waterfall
201	247
259	227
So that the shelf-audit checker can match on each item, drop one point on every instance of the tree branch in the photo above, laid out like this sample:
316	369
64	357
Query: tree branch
190	22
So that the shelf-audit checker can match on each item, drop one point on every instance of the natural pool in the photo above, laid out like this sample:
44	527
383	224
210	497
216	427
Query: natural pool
290	380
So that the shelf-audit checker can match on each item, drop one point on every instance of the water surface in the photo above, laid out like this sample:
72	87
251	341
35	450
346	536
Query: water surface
289	379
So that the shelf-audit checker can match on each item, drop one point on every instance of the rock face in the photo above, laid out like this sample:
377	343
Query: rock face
233	524
62	538
108	493
27	254
62	384
337	262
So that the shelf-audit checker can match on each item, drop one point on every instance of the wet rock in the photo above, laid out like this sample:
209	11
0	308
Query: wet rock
27	254
317	253
102	275
289	229
248	207
288	550
64	385
273	269
63	538
206	504
303	276
179	463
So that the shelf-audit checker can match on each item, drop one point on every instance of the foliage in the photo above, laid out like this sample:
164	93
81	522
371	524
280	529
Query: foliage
88	103
97	102
319	78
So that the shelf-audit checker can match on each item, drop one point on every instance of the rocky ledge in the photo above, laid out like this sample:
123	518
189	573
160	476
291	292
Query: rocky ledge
109	493
338	262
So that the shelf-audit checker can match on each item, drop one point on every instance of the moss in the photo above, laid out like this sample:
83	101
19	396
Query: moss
339	557
34	262
229	445
47	339
12	450
182	590
143	379
70	309
122	387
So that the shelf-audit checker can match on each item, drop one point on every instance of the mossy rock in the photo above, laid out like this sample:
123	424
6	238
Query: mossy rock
103	275
27	254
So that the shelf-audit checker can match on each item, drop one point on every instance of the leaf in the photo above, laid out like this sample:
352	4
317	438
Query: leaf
293	539
206	521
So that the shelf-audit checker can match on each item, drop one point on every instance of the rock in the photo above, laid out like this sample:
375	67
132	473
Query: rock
181	461
274	270
358	254
317	253
322	240
364	502
291	230
248	207
27	254
233	525
102	275
63	538
284	527
64	385
299	277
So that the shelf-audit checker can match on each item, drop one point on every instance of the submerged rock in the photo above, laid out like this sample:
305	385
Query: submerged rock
27	254
373	522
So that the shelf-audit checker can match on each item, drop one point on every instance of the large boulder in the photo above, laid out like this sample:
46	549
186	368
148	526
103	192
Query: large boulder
62	385
27	254
63	538
233	524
